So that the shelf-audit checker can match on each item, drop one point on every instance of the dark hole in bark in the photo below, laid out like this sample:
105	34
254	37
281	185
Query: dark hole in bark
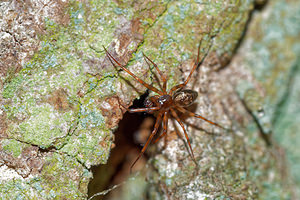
122	155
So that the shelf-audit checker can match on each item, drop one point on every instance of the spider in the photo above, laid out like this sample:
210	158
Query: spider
166	103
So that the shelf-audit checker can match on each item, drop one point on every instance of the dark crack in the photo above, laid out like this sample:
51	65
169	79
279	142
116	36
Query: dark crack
264	135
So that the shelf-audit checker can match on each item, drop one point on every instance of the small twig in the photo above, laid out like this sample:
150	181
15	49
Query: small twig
105	192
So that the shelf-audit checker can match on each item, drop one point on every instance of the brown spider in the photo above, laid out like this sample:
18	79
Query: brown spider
166	103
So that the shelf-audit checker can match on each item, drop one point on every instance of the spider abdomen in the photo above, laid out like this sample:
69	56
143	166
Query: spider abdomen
185	97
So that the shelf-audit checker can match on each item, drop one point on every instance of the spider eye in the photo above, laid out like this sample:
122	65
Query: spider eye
184	98
148	103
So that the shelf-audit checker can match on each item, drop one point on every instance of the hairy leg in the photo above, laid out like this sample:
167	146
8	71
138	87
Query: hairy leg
165	128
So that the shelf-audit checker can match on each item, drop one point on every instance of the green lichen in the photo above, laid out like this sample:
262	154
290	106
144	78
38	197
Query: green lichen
73	178
74	125
17	189
52	68
10	89
13	147
44	134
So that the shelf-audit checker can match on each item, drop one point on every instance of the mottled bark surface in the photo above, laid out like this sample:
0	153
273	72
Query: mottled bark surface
59	108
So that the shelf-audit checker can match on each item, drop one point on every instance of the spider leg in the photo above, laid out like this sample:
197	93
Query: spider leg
165	128
196	64
176	129
129	72
156	126
141	109
183	110
164	79
174	114
155	76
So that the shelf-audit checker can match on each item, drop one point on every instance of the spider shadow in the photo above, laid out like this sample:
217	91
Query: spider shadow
122	77
131	85
178	132
184	118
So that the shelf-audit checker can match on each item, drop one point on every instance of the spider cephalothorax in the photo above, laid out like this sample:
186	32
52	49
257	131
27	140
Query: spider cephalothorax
167	103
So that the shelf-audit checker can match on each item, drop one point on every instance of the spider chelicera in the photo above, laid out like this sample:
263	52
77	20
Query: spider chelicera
166	103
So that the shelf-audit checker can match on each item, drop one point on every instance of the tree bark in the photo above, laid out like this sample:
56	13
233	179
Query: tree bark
60	107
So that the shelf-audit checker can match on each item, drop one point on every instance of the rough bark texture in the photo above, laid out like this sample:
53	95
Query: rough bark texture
59	108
